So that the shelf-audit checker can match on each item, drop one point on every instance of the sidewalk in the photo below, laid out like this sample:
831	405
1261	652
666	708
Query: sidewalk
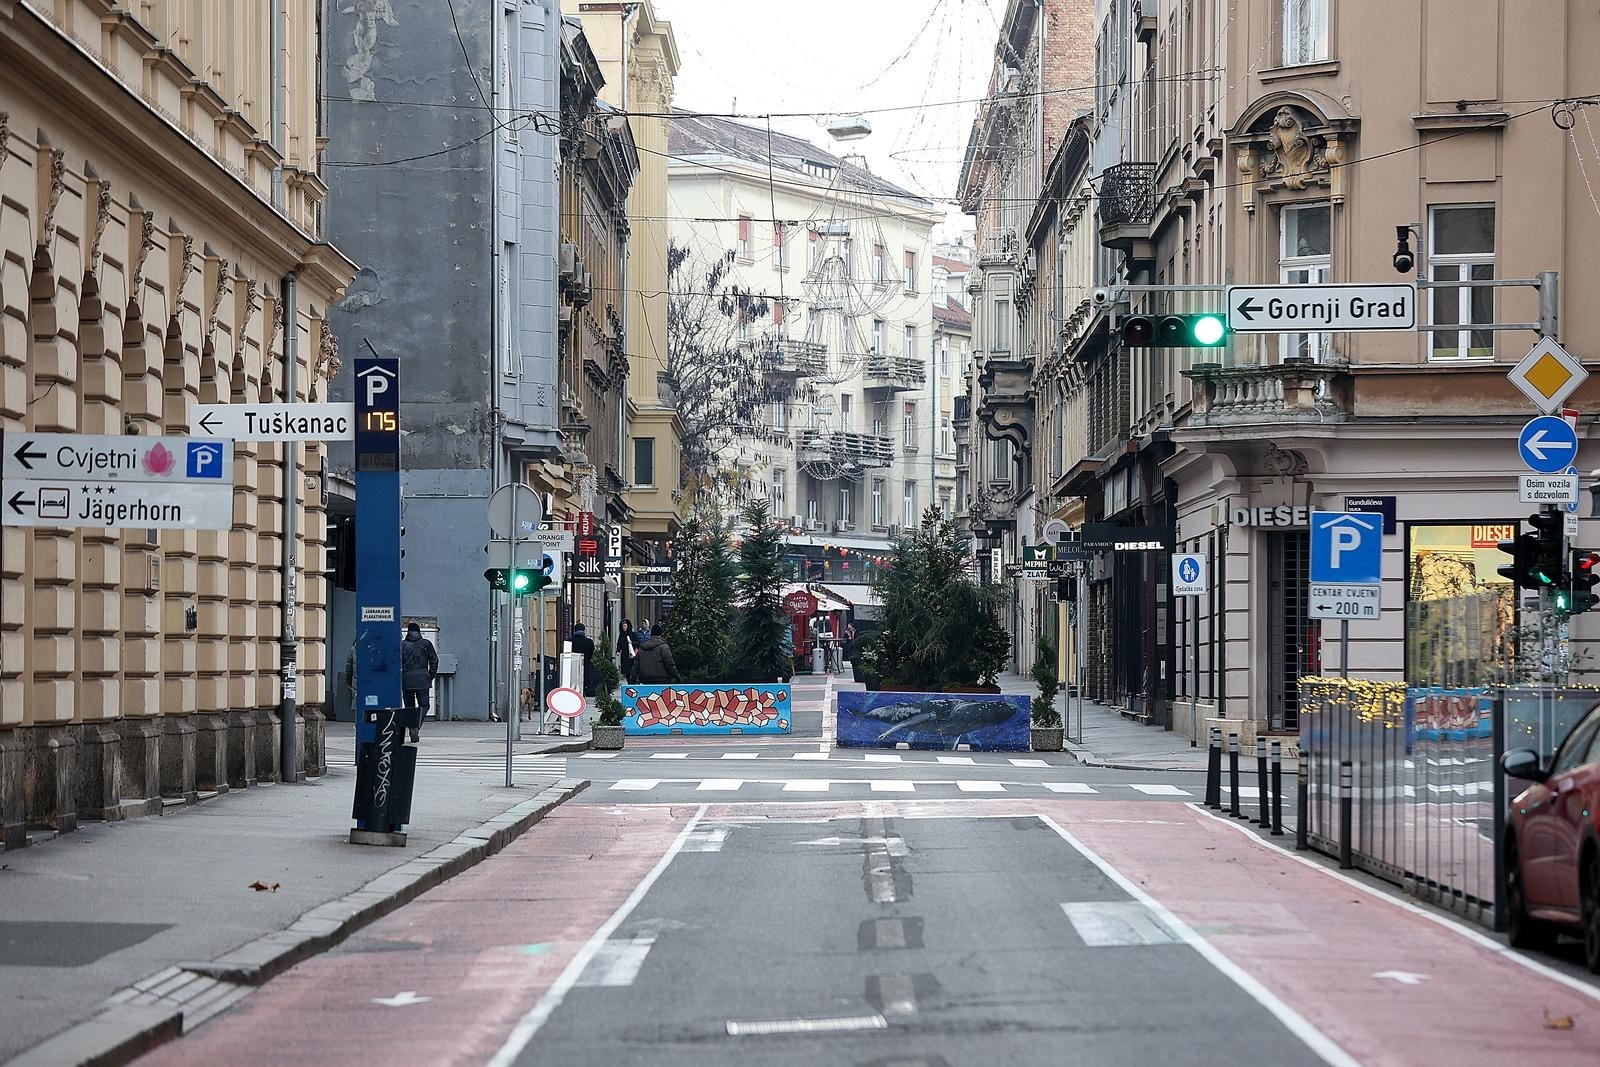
1109	740
86	915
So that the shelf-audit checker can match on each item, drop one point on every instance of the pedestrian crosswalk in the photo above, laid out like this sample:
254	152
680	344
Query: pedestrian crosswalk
889	785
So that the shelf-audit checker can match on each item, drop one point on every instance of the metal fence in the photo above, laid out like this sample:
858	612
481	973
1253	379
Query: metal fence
1427	793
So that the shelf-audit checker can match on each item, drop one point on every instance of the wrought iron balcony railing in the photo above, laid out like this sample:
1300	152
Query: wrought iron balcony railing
843	447
799	359
1127	194
896	373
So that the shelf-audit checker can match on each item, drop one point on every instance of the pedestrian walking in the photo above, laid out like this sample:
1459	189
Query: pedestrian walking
419	665
626	649
654	665
583	644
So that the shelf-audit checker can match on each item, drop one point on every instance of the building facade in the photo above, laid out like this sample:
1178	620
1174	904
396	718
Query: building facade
136	281
842	433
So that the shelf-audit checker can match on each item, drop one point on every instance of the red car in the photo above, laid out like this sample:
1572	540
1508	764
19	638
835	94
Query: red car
1552	845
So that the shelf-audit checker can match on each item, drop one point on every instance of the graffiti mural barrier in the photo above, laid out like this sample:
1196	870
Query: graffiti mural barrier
981	722
711	709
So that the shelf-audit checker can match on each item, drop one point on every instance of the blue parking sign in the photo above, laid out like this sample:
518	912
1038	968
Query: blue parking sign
1346	547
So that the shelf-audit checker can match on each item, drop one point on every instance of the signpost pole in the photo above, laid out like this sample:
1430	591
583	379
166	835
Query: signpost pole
288	756
538	657
513	696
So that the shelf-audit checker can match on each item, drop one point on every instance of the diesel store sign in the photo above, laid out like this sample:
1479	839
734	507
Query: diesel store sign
1105	537
1281	517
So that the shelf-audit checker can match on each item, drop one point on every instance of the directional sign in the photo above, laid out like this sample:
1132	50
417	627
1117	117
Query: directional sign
1547	375
1361	601
1322	308
116	458
1188	574
275	422
1548	444
1346	548
116	505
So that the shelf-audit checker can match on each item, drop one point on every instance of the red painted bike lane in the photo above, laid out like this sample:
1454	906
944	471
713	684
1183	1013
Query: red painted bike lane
482	948
1447	994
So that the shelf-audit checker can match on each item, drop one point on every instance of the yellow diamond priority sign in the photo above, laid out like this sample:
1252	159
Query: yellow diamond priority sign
1548	375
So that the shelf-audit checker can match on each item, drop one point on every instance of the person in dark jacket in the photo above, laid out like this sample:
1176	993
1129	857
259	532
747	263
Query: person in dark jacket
419	665
654	665
627	648
583	644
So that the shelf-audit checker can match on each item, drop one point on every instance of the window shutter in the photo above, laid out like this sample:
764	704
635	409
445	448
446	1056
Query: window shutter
744	228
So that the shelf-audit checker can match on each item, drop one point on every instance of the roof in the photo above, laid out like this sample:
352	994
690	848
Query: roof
954	266
855	594
697	135
953	315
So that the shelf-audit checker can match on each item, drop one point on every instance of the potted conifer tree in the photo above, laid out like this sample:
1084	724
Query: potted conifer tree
1048	734
607	734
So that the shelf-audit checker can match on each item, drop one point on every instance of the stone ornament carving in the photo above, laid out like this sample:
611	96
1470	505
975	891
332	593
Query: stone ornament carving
328	361
58	185
216	299
1290	154
102	221
5	137
147	241
252	304
1285	462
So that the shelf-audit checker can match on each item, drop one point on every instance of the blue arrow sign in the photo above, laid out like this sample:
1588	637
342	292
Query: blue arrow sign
1548	445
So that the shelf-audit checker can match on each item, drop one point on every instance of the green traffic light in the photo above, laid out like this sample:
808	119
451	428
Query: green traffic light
1209	330
520	580
1563	600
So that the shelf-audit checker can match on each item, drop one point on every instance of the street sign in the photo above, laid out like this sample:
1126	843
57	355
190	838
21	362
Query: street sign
275	422
79	457
614	551
551	566
116	505
1188	574
1322	308
588	569
1572	509
1548	488
568	703
1547	375
1054	530
1346	548
1359	601
1548	444
1038	553
530	513
1377	505
1036	571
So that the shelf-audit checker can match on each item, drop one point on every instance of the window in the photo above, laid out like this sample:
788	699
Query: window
1304	31
510	334
911	341
911	271
909	422
845	515
877	502
644	461
777	245
780	316
941	287
812	251
1304	255
744	236
846	422
1002	325
910	515
811	513
877	337
880	419
945	503
944	356
780	415
946	446
1460	248
780	507
880	267
743	331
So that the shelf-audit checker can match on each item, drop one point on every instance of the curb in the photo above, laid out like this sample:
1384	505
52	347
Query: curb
176	1000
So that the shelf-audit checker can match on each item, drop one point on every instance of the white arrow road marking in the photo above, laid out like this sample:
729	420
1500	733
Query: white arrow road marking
401	1000
1403	977
896	846
1537	445
1111	923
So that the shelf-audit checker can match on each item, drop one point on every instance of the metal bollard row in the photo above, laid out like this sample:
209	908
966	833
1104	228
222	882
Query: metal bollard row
1233	776
1214	771
1346	811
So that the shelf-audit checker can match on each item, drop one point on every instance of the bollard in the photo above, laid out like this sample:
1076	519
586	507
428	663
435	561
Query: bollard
1262	792
1233	776
1302	795
1277	789
1346	806
1214	771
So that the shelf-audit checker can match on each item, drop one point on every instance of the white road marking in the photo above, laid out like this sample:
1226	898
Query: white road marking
530	1023
806	785
669	755
894	787
741	755
980	787
1165	791
635	783
1245	791
1029	763
711	785
617	963
965	761
1403	977
1292	1020
1103	924
805	1026
810	755
1069	787
597	755
401	1000
884	757
707	840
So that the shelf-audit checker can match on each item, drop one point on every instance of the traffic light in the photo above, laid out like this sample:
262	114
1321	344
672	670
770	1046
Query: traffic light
1522	549
1174	331
1582	578
1549	567
518	581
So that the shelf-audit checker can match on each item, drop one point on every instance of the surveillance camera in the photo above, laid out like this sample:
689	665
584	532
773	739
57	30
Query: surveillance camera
1102	297
1403	259
1403	262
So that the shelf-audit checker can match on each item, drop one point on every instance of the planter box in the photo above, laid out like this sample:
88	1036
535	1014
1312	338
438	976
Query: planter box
607	738
1048	738
981	722
707	709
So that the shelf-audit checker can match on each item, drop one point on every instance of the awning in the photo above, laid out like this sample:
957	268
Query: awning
865	544
867	604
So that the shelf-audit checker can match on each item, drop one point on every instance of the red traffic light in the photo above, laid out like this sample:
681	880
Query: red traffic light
1139	331
1585	562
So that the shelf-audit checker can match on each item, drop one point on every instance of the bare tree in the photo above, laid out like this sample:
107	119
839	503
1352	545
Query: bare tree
718	379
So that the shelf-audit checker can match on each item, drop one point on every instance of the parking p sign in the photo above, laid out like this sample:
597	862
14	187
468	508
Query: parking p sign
1188	574
1346	565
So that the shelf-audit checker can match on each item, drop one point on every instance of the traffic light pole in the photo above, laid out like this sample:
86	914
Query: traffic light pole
513	703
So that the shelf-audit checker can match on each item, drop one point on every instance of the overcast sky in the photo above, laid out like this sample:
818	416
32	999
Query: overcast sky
845	56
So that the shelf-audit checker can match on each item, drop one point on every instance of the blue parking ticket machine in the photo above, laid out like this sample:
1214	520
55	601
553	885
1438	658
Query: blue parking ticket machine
385	766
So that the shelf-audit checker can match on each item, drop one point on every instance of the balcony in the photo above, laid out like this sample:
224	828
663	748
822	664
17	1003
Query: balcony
1127	204
961	417
844	448
895	374
1296	391
1005	405
999	249
784	358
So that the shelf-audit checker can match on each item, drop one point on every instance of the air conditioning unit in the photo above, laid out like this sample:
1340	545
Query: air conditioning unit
569	260
842	526
814	524
564	316
1030	261
894	531
796	522
1010	80
585	291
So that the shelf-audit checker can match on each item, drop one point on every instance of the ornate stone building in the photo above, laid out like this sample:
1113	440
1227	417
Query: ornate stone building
158	184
